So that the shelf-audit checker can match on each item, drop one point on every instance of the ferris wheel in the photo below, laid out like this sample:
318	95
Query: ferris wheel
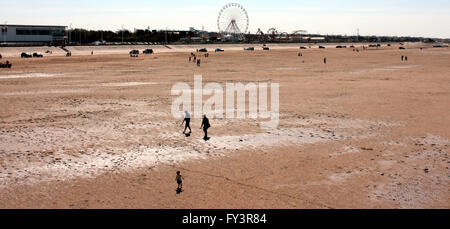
233	19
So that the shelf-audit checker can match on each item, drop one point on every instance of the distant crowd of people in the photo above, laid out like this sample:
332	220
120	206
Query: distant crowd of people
193	58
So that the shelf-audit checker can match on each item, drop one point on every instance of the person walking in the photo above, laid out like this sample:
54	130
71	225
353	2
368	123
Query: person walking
205	126
187	120
325	60
179	178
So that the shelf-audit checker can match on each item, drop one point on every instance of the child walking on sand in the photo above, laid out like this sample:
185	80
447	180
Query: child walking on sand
179	178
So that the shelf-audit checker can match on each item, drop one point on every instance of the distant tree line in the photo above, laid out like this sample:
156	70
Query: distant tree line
82	36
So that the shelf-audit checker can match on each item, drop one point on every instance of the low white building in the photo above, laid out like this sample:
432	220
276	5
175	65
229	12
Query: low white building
32	33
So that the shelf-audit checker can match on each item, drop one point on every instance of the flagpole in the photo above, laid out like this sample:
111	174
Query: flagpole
4	31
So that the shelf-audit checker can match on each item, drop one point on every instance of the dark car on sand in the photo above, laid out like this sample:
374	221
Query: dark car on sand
25	55
148	51
39	55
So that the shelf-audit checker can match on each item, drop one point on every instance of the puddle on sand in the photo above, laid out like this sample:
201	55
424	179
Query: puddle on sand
127	84
45	92
29	75
387	68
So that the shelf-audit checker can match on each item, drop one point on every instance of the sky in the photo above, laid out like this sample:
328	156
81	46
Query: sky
429	18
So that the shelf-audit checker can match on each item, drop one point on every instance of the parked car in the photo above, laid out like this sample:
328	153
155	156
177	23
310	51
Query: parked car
250	49
401	48
25	55
39	55
303	47
203	50
265	48
219	50
321	47
134	53
339	47
147	51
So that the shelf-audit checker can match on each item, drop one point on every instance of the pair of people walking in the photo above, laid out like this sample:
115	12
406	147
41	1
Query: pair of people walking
205	125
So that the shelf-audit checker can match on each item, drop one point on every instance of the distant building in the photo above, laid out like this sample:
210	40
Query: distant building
33	33
194	30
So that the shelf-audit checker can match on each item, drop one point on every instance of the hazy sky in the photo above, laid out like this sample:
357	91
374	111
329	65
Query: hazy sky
429	18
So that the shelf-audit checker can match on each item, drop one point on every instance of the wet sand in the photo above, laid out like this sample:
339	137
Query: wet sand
366	130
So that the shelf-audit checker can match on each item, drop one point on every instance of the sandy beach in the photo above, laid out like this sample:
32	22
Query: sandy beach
365	130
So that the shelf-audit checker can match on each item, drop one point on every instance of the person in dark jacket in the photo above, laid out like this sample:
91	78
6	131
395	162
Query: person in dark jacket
205	126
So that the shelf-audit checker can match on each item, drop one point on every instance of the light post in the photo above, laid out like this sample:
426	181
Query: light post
5	32
122	34
70	33
357	38
166	34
